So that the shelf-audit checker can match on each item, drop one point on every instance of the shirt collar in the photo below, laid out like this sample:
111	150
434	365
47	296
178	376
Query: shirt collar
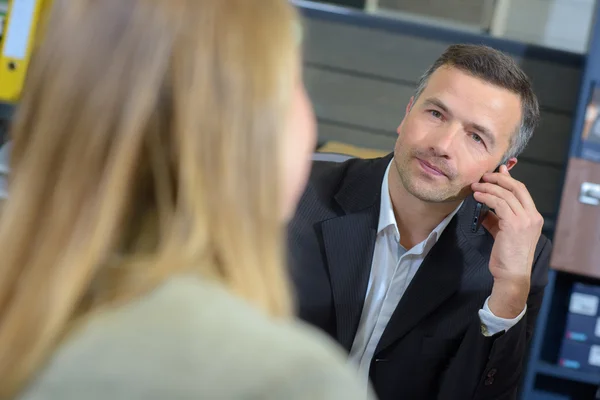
387	217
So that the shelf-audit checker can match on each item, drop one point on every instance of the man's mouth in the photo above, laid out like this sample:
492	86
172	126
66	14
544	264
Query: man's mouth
430	168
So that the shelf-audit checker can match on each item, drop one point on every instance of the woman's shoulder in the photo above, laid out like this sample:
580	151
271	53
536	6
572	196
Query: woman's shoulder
191	338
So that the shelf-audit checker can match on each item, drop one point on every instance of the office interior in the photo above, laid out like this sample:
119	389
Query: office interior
362	61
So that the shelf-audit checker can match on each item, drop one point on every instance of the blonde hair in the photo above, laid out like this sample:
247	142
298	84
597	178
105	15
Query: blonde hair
147	143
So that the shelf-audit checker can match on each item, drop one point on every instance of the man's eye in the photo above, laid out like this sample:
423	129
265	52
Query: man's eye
435	114
477	138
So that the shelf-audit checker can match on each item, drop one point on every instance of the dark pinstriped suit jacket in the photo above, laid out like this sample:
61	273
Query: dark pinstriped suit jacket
433	347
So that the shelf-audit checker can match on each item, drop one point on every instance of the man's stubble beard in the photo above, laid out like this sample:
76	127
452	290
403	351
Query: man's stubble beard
446	194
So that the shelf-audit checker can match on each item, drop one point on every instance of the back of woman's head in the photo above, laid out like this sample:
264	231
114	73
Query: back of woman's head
148	142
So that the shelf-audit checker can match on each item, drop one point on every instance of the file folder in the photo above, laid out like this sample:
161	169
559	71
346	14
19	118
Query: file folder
19	36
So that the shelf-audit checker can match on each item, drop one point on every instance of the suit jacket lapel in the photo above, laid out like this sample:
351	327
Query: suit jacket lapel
451	261
349	241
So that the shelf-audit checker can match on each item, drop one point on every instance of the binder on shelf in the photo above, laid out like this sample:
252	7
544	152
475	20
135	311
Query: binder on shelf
580	349
19	36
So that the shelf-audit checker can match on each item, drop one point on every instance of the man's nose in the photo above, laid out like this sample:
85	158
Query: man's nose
444	139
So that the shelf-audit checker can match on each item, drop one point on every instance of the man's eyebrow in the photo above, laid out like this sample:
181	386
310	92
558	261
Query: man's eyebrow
437	103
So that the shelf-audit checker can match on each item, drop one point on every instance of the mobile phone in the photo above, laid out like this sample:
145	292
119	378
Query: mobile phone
480	213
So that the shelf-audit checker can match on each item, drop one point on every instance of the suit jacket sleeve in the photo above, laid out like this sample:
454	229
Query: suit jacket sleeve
490	368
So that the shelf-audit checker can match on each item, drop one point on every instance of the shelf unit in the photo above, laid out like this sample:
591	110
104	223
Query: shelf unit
545	379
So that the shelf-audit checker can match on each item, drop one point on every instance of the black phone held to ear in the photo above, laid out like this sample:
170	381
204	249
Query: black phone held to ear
480	213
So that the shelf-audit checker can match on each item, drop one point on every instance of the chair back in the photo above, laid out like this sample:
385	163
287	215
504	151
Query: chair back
333	157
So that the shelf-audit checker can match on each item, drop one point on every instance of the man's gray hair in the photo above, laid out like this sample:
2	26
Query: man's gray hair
499	69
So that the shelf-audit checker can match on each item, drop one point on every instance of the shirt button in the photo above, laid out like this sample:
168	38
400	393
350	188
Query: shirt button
489	381
492	372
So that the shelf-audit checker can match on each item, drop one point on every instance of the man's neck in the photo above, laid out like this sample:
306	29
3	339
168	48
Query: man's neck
415	218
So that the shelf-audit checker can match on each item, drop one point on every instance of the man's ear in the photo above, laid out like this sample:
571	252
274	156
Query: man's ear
411	102
511	163
408	107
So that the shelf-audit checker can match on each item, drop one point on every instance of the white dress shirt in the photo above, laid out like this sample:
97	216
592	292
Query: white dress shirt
393	268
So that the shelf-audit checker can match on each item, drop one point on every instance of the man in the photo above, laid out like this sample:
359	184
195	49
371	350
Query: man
383	254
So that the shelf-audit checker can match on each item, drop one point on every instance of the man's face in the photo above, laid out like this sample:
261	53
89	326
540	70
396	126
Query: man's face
459	128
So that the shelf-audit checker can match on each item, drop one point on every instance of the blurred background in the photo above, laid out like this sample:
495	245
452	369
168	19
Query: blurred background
362	61
558	24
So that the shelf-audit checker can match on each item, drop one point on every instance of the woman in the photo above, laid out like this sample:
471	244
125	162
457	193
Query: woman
158	150
4	170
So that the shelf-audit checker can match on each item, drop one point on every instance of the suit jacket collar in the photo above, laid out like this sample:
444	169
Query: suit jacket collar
361	187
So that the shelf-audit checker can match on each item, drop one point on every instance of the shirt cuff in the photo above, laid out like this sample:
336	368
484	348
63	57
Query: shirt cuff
491	325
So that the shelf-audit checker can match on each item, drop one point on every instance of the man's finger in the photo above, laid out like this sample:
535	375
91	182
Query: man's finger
491	224
517	188
498	191
499	205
